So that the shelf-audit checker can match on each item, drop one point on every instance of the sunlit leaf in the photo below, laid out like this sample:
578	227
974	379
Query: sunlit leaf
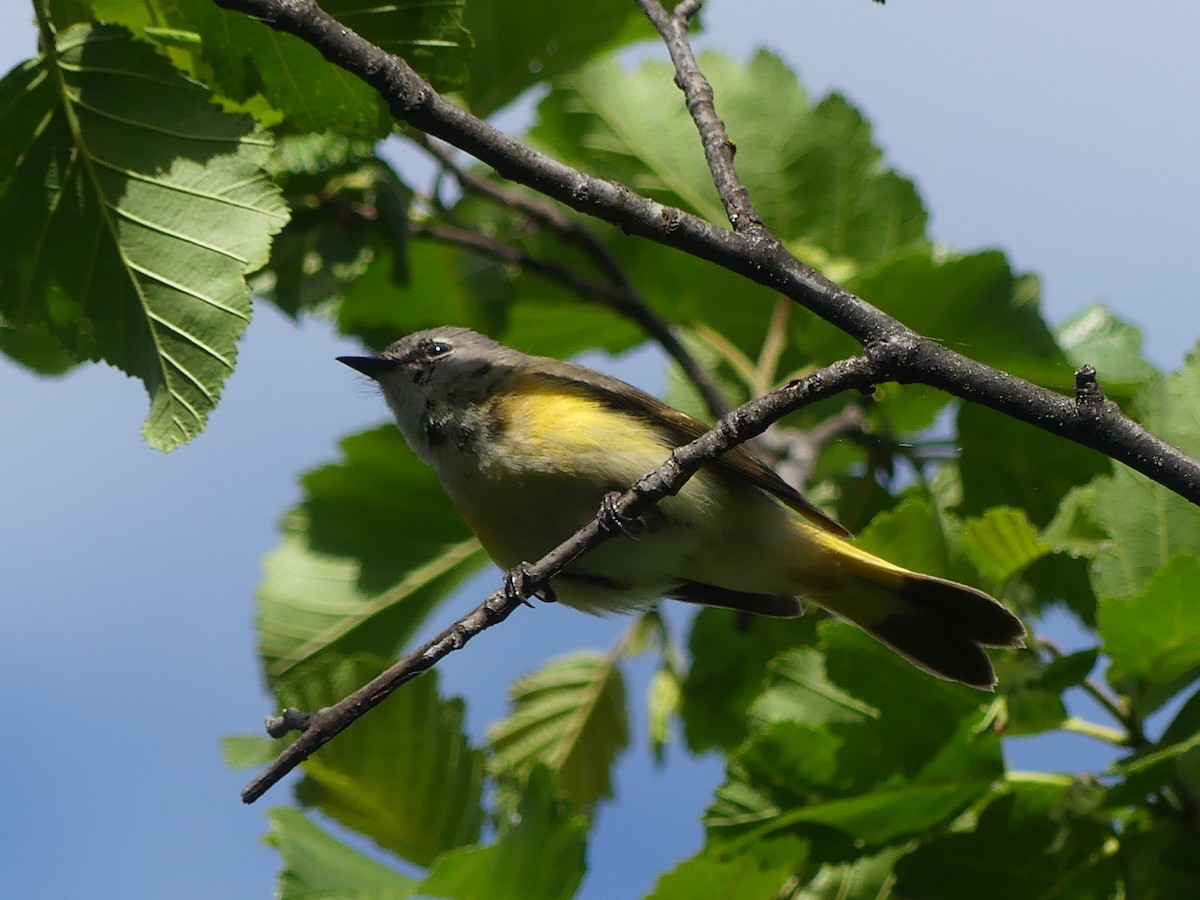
317	866
1148	523
570	716
113	160
538	853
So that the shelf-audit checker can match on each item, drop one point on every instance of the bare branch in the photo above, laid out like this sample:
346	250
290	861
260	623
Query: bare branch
745	422
718	147
898	353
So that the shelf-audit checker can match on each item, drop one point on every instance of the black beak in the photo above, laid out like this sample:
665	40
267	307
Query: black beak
371	366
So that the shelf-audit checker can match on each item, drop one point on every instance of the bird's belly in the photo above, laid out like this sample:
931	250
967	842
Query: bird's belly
521	519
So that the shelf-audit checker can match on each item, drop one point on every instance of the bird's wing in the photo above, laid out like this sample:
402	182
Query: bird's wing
679	428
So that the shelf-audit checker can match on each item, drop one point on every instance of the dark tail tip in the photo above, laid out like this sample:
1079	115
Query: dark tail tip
972	613
938	648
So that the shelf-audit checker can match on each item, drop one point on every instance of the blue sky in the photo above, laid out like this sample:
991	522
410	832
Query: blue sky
1063	133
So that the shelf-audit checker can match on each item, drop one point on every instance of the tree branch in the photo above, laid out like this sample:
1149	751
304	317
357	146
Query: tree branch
718	147
745	422
897	352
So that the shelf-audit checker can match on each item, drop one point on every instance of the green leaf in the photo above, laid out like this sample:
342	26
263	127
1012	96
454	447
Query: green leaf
539	853
374	547
1096	337
247	751
570	716
518	45
1148	524
1001	543
973	304
789	776
247	57
798	690
727	670
445	285
1160	862
405	775
1153	637
854	760
813	172
1070	670
1008	463
349	210
36	348
867	877
1151	770
1020	847
715	876
320	867
912	534
1074	529
131	209
662	705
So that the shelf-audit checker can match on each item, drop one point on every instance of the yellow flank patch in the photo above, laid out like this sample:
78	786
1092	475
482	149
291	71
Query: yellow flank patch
552	429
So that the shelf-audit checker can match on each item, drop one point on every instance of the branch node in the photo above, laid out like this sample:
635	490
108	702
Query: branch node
291	719
1088	393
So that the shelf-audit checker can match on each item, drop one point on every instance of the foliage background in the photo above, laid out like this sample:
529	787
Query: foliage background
126	574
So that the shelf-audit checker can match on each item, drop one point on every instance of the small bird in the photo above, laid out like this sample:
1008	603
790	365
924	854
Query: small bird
528	447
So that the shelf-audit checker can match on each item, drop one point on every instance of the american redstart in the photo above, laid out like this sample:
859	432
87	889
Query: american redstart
527	447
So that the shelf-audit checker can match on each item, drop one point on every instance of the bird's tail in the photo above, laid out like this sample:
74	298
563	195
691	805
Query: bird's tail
939	625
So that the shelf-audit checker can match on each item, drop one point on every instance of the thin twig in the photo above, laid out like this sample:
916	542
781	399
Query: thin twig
737	427
718	147
488	246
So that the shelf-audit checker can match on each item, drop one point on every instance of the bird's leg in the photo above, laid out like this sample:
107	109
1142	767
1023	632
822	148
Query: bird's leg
517	586
614	522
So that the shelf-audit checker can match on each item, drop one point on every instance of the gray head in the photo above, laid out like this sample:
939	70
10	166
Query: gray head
430	380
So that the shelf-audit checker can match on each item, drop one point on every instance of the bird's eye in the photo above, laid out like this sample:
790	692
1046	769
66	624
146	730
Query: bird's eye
434	349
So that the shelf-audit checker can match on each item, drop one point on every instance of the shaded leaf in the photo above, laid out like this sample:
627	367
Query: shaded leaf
405	775
798	690
539	853
1153	637
727	670
317	866
445	286
1014	850
867	877
349	209
518	45
118	163
570	716
36	348
1008	463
